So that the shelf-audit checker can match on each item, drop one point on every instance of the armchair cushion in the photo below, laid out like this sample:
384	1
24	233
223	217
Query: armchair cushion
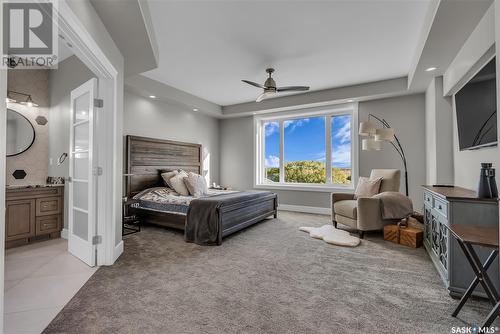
346	208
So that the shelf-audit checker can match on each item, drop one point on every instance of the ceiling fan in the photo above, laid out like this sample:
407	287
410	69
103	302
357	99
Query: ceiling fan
270	88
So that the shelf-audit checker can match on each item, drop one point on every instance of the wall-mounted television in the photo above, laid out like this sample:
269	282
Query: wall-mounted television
476	108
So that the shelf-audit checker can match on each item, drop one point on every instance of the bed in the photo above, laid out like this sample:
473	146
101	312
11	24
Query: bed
230	211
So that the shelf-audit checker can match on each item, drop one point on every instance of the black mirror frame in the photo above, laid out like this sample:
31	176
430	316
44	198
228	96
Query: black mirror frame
32	127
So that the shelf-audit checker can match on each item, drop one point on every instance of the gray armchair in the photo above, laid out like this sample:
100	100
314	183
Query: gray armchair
364	214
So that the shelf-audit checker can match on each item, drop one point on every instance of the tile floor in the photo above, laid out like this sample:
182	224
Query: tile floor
39	280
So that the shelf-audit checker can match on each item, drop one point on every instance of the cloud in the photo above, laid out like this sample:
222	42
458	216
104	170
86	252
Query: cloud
272	161
343	135
296	123
271	128
341	155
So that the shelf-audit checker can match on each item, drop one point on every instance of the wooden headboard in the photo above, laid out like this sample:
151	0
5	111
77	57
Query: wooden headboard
147	157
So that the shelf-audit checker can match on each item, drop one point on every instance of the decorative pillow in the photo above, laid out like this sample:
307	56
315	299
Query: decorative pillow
167	175
196	184
177	183
367	187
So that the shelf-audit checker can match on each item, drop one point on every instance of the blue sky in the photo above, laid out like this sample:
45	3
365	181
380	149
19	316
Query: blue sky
305	140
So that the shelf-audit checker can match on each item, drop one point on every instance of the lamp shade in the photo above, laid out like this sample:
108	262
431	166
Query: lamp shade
384	134
370	145
366	129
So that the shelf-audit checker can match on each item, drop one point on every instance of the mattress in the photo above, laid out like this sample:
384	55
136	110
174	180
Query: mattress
167	200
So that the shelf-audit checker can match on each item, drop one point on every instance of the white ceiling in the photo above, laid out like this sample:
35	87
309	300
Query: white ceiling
207	47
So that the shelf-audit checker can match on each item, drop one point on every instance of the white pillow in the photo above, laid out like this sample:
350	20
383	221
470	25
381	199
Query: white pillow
177	183
167	176
367	187
196	184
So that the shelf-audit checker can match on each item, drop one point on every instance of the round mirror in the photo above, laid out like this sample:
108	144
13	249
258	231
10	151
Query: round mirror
20	133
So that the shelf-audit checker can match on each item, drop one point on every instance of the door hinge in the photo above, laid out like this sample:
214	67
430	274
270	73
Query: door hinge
97	171
97	239
98	103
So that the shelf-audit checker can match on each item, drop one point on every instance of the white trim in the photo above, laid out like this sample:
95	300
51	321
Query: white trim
326	111
64	233
118	251
89	52
305	209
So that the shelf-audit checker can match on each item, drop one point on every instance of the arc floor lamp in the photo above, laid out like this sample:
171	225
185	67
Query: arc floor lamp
377	135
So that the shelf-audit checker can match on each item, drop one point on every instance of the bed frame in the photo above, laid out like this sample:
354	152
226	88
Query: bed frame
147	157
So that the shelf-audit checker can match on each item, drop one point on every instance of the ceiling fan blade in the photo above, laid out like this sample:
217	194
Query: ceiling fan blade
292	88
254	84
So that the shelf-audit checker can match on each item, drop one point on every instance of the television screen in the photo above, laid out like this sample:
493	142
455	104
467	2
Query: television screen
476	107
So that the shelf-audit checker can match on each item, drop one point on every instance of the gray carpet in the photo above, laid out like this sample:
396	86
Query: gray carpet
270	278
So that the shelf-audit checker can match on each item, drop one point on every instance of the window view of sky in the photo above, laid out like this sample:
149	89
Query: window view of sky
341	141
305	140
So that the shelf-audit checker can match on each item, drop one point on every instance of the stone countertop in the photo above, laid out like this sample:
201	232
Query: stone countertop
22	186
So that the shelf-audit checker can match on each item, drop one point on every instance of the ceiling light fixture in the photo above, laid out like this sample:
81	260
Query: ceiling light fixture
195	109
430	69
152	96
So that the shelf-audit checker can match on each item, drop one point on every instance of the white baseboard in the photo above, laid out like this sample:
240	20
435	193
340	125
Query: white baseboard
118	251
64	233
305	209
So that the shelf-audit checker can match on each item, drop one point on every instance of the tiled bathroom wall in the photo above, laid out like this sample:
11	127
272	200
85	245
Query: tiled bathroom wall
34	161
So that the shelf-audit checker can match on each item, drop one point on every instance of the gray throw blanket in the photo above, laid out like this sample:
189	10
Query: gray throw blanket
203	225
394	205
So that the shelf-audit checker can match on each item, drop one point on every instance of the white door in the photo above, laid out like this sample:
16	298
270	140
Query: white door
82	182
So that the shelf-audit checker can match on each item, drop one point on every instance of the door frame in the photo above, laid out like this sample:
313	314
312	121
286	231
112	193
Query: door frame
108	125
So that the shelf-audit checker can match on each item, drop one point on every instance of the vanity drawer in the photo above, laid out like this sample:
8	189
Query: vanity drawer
48	206
441	207
48	224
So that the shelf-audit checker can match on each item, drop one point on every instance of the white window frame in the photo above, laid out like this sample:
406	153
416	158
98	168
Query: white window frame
326	111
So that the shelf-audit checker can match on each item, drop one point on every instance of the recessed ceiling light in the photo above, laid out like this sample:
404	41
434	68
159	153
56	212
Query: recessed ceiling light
195	109
430	69
152	96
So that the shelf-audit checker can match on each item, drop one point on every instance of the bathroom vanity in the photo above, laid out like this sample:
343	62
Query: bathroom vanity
33	212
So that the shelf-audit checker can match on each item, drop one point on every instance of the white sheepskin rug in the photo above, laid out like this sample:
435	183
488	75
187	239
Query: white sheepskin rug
332	235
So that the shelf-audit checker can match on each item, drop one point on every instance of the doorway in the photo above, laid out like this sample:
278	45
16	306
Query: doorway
102	245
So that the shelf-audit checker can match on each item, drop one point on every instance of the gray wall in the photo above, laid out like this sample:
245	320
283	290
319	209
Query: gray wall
406	114
157	119
70	74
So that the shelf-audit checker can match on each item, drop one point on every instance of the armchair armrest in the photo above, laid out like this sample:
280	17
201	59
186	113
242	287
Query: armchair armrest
369	214
336	197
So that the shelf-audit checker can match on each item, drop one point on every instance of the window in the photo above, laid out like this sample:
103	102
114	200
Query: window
307	150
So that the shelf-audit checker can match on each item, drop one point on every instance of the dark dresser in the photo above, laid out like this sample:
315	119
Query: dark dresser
455	205
33	213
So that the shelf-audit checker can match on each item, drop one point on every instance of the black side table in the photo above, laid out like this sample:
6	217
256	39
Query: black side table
130	224
467	236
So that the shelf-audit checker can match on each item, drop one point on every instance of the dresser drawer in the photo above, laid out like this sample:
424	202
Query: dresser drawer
48	206
428	199
441	207
48	224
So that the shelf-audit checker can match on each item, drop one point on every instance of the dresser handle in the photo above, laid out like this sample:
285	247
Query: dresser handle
440	207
